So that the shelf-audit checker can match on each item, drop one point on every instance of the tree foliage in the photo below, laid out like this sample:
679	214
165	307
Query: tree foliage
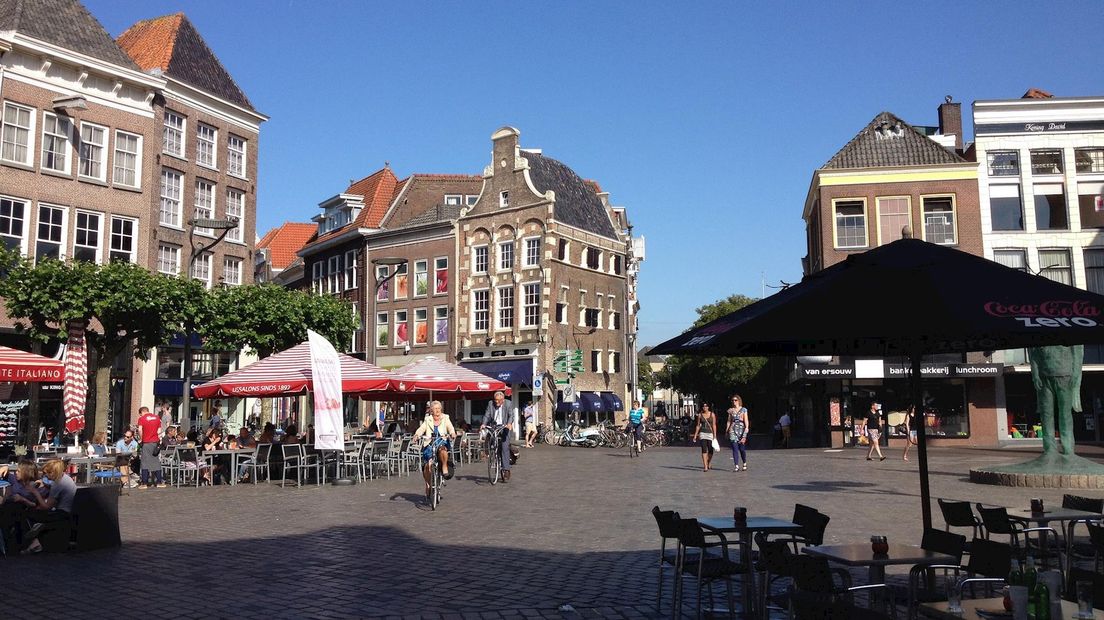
266	318
713	378
645	377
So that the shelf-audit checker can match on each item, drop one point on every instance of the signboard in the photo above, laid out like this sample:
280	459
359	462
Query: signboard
563	381
568	360
569	395
827	372
950	371
834	411
1040	127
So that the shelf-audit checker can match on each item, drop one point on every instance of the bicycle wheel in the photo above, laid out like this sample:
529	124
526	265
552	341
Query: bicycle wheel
632	449
494	464
434	485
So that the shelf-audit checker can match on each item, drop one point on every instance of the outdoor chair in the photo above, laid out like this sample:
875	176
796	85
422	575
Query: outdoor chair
990	563
376	458
1080	546
456	452
667	521
109	476
923	586
294	461
189	465
707	568
775	562
258	462
997	521
352	459
396	455
312	460
813	524
169	466
820	591
960	514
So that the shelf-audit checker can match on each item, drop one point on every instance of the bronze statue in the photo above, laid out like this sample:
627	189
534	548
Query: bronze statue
1056	373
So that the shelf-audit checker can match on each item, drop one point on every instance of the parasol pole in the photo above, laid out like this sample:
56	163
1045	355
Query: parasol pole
921	437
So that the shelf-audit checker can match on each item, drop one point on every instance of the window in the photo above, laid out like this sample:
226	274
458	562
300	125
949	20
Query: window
351	260
440	275
1090	202
1046	161
480	310
402	328
231	271
382	284
939	219
1089	160
479	259
1050	207
505	308
850	223
530	304
235	210
440	325
1016	259
57	137
453	199
1003	163
123	233
201	268
12	217
615	361
171	210
1094	270
470	199
506	256
128	159
561	313
421	278
50	241
893	215
591	317
593	258
561	250
402	282
617	264
1055	265
504	200
615	320
318	277
206	139
18	125
86	242
204	204
1005	207
532	252
381	329
168	259
173	134
93	143
235	156
335	275
582	309
595	361
421	326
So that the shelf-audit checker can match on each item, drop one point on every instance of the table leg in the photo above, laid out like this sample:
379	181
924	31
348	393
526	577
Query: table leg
234	469
749	594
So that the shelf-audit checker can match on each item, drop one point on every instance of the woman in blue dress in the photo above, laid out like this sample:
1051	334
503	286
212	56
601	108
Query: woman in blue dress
435	433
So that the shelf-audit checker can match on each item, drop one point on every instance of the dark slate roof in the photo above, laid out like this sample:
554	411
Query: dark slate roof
576	203
65	23
438	213
890	141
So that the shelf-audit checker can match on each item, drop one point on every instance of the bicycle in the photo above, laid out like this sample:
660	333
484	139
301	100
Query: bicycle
494	454
436	479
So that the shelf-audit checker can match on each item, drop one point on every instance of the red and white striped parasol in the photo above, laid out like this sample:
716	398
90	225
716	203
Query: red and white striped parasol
75	390
442	378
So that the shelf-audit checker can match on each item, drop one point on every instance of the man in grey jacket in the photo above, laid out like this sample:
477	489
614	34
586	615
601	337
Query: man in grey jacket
501	413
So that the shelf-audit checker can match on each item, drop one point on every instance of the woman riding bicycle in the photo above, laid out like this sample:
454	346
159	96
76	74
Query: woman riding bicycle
438	431
636	424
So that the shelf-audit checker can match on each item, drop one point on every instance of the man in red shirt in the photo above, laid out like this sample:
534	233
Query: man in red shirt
150	428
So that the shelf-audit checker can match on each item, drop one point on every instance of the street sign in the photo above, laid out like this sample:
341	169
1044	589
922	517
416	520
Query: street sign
563	381
568	360
569	393
538	383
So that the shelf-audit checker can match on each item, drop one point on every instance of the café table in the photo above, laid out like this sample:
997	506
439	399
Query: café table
860	554
971	606
1065	517
746	531
89	463
233	459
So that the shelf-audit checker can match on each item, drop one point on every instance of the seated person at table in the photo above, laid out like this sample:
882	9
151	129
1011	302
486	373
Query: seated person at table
171	438
268	435
245	440
126	450
99	443
291	435
438	431
13	510
52	512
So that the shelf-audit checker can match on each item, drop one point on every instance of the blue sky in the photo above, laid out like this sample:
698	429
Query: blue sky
705	120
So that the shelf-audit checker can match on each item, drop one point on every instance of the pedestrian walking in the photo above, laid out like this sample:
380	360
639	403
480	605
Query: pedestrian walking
738	429
150	427
166	416
910	430
704	434
783	426
530	424
873	429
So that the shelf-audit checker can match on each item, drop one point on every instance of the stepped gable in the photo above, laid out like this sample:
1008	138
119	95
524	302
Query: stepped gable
172	45
576	202
889	141
65	23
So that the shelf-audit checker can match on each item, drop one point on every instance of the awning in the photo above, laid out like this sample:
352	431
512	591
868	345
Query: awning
565	407
591	401
515	372
612	402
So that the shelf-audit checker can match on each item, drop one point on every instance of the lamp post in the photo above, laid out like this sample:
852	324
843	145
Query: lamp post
225	226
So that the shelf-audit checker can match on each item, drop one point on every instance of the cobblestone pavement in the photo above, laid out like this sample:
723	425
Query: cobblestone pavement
572	527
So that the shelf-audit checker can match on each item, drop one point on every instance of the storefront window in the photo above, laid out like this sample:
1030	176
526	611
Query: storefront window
945	411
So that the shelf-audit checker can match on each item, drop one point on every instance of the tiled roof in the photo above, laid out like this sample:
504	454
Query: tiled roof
283	242
172	44
378	190
1037	93
65	23
437	213
890	141
576	202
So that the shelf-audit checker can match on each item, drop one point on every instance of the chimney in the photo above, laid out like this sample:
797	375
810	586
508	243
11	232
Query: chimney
950	121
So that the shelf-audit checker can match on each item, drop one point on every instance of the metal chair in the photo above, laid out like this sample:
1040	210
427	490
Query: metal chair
189	465
813	524
923	587
815	592
667	521
706	567
1080	547
259	462
353	458
397	455
377	458
960	514
293	461
997	521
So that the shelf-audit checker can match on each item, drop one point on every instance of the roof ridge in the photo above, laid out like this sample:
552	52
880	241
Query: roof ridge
851	149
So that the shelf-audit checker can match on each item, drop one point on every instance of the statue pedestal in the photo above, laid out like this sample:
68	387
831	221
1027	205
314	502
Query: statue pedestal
1055	471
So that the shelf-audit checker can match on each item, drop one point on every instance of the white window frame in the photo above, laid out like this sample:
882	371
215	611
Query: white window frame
67	138
98	248
7	221
124	155
201	262
582	308
454	199
503	200
110	236
878	214
437	310
954	216
424	263
206	143
335	274
174	252
383	320
230	275
236	158
835	229
528	304
564	292
170	128
505	308
318	277
425	321
383	293
437	267
28	132
92	148
471	199
395	335
486	252
526	244
171	210
485	311
505	251
234	195
61	229
201	191
350	269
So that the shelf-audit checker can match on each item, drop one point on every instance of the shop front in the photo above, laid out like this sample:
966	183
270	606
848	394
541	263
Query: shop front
1022	424
516	372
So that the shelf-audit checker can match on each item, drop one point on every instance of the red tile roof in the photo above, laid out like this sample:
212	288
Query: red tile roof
285	241
378	189
1037	93
150	42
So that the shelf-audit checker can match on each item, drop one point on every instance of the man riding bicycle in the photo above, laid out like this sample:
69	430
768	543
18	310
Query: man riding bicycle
500	414
636	424
438	430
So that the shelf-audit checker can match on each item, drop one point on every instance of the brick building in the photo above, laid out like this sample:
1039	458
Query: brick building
890	177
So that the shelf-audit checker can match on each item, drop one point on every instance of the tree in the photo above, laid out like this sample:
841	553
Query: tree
645	378
714	378
120	303
266	318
